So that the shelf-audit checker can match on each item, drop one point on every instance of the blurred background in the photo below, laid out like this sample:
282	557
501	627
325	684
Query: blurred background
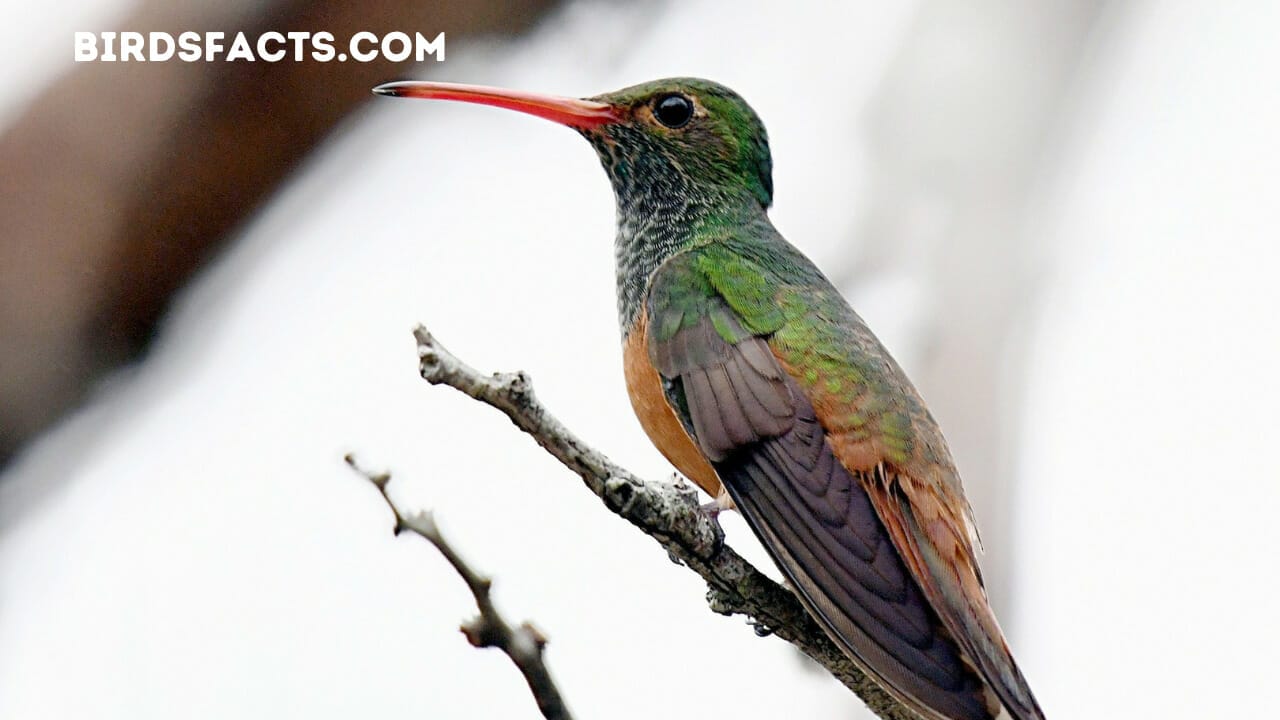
1060	216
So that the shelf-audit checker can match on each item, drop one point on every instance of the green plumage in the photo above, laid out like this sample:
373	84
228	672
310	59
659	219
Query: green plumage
775	292
711	182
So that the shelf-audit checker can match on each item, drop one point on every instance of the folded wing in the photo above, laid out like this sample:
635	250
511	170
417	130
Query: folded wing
811	513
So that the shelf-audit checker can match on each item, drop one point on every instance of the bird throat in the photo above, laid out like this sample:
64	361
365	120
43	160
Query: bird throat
661	211
642	244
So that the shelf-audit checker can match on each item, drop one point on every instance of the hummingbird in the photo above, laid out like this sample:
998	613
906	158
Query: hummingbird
757	381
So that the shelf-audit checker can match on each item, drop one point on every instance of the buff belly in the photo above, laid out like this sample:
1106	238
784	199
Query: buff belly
656	415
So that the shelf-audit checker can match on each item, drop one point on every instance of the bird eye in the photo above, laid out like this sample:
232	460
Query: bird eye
674	111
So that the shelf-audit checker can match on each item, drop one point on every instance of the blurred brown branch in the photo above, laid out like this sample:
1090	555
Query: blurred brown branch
123	179
670	514
523	644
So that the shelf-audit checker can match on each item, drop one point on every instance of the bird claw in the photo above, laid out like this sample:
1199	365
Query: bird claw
720	504
712	510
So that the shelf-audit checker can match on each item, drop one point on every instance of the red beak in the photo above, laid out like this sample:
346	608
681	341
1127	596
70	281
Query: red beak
566	111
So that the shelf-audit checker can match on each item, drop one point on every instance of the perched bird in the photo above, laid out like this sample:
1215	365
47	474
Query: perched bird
756	379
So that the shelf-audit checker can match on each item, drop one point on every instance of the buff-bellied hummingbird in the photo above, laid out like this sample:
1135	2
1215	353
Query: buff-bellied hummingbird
756	379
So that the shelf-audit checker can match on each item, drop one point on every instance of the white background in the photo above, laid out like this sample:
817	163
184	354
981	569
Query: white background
191	544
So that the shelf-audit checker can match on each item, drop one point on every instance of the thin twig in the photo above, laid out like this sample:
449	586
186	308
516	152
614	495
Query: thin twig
668	513
523	644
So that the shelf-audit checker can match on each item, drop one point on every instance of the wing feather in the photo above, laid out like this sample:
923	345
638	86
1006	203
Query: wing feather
753	423
882	560
935	544
845	568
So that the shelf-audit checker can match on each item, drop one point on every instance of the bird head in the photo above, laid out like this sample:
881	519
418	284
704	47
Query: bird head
682	139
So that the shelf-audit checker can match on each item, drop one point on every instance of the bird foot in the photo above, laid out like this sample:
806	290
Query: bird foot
720	504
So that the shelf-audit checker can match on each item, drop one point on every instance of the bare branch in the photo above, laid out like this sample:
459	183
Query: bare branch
523	644
668	513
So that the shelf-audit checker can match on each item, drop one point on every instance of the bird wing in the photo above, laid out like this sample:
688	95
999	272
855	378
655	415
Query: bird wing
923	519
756	425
